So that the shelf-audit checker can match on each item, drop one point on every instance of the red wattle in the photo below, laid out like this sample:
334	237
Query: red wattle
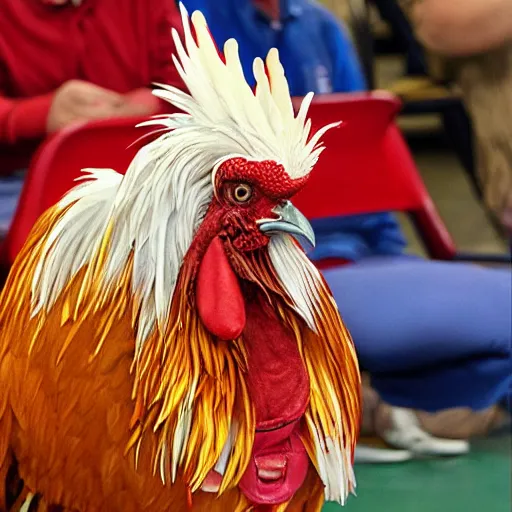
218	296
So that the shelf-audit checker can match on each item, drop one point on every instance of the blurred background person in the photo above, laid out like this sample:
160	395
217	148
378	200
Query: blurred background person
315	49
65	61
476	38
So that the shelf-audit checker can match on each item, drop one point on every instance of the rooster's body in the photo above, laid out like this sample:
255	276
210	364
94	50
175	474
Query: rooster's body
165	344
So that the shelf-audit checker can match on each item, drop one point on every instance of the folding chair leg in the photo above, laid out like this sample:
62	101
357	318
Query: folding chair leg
458	127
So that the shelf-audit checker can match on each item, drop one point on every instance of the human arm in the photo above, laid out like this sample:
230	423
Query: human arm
75	100
461	27
23	119
163	17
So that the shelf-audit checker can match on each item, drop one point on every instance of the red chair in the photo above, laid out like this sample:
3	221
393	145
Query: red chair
366	167
57	164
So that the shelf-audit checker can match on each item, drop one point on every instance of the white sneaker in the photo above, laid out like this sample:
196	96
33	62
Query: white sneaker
371	455
406	433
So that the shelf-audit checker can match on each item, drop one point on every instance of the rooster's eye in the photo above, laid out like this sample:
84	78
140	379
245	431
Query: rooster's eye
242	193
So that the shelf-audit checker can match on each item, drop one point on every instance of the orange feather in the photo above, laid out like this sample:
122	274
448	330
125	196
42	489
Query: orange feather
66	408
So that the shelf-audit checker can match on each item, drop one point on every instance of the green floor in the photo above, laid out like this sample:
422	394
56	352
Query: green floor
479	482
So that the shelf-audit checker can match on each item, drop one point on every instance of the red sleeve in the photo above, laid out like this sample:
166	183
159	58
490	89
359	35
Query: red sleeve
23	119
165	17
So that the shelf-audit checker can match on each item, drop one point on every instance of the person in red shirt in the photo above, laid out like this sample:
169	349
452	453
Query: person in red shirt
63	61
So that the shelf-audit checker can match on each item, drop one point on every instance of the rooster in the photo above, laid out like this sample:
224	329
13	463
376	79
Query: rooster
165	344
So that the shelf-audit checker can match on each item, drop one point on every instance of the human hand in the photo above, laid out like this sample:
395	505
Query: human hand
140	102
77	100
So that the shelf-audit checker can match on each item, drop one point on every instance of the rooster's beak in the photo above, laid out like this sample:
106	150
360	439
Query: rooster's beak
289	220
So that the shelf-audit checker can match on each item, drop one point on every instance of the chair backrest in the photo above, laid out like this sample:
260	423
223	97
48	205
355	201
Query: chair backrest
366	168
59	162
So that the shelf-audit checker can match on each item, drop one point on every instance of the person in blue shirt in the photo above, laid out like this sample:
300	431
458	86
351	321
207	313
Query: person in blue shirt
314	49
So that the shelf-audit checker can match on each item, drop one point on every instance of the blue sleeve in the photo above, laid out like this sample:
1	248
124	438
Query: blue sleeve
348	74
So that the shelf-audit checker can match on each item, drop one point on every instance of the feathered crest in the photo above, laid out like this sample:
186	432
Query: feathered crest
259	125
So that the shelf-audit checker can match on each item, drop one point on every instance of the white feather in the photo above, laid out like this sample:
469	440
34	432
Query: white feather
74	239
222	463
334	466
297	274
182	431
26	504
163	462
